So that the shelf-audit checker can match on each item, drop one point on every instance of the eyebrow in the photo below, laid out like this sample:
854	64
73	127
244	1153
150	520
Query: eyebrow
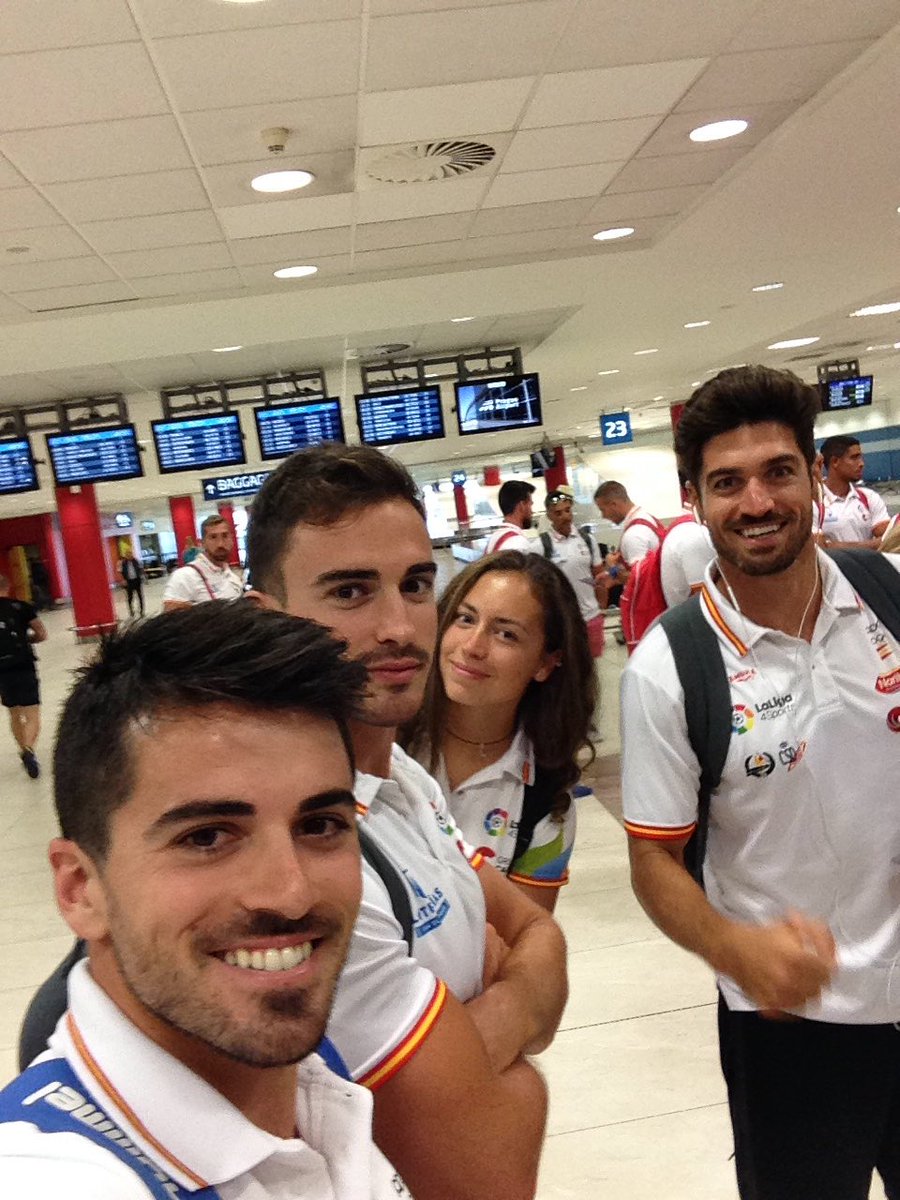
497	620
361	575
205	810
778	460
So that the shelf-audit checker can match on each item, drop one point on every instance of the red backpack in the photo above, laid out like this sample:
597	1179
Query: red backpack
643	599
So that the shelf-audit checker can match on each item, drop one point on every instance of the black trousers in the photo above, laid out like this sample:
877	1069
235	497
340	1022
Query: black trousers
133	588
815	1107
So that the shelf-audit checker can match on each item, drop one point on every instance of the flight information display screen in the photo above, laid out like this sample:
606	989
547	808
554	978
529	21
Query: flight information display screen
492	405
407	415
846	393
94	455
194	443
17	470
284	428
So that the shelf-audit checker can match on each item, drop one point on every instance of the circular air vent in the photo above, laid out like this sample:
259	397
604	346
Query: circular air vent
425	161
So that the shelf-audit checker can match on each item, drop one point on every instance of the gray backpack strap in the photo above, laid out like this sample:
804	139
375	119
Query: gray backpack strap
587	541
707	709
876	582
547	544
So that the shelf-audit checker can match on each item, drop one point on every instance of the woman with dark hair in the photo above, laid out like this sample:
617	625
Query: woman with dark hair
508	709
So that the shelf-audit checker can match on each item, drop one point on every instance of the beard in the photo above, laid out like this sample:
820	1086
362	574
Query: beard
528	522
731	551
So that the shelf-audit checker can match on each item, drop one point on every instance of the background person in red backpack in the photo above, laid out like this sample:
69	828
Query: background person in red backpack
641	531
516	504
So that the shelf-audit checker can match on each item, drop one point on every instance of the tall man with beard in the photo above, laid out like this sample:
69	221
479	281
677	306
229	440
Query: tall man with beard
208	576
799	919
217	905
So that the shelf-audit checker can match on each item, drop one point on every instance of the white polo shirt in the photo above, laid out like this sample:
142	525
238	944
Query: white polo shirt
687	551
639	535
387	1001
807	813
189	1130
575	560
851	518
202	580
487	807
508	537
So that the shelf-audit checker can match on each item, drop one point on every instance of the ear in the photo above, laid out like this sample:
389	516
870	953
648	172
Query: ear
80	894
263	600
548	666
694	500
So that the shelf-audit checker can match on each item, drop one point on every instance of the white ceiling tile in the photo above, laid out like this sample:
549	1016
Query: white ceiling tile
611	93
380	8
166	18
407	256
24	207
674	170
288	216
805	22
532	242
462	45
72	297
44	24
417	114
210	69
23	277
157	373
48	242
134	264
292	247
393	203
606	33
672	136
9	176
233	134
413	232
148	233
188	283
573	145
767	76
229	183
531	187
112	148
555	214
10	311
128	195
88	83
28	389
633	205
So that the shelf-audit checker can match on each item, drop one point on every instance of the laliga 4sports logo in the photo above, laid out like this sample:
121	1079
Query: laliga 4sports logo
743	718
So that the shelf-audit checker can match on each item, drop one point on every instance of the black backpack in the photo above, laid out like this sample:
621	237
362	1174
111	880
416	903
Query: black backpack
704	680
15	649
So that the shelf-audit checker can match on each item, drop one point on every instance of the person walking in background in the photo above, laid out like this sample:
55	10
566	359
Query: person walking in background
20	629
641	531
133	577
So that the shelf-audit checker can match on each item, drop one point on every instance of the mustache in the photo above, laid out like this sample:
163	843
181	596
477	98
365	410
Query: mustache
380	657
311	927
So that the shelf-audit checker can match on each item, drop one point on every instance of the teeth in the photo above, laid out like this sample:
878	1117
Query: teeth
284	959
759	531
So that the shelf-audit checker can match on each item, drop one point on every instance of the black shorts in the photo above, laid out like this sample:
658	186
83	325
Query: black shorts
19	688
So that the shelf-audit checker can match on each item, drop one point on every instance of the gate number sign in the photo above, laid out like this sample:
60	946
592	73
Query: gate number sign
615	428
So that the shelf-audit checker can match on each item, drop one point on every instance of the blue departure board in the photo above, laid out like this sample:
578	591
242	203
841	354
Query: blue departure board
94	455
407	415
194	443
17	470
284	428
846	393
493	405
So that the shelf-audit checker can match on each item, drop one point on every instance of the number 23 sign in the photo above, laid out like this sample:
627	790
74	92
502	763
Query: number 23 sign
615	428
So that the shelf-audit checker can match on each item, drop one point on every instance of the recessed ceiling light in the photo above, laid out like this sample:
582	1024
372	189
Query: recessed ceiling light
294	272
578	389
695	324
716	131
881	346
696	383
877	310
225	349
614	371
767	287
460	320
793	343
655	398
281	181
612	235
654	350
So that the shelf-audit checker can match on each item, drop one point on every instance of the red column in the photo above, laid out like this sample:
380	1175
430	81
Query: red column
462	509
226	512
184	522
79	522
57	591
556	475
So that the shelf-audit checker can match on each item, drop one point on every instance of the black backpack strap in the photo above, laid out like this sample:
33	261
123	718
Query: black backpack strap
547	544
876	582
707	709
537	801
392	880
48	1004
587	541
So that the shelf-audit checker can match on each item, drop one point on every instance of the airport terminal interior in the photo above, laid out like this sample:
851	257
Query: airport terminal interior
508	191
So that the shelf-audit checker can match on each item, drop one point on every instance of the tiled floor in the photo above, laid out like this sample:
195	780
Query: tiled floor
637	1103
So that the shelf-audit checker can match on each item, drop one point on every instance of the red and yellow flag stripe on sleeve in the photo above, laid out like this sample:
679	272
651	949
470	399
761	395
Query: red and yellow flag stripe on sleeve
654	833
401	1054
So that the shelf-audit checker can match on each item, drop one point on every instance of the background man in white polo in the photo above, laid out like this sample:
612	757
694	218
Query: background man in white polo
208	577
217	905
854	515
641	531
800	918
517	506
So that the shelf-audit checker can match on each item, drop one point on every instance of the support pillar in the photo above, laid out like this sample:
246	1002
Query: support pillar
55	569
556	475
184	522
462	509
92	599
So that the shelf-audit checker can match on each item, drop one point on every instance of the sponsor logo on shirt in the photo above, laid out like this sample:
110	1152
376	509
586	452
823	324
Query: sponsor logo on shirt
759	765
790	755
495	823
743	676
743	718
775	707
432	907
889	682
893	720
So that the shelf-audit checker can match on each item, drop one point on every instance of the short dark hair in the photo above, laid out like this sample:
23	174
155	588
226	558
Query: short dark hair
210	521
512	493
745	396
837	446
611	490
221	652
318	486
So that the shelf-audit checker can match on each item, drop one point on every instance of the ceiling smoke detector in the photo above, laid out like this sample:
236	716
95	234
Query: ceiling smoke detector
426	162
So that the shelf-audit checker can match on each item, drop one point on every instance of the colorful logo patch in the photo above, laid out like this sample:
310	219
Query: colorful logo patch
790	756
743	718
495	822
893	720
743	676
759	765
888	683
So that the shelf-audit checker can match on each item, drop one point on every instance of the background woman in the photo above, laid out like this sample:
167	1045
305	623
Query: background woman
508	708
